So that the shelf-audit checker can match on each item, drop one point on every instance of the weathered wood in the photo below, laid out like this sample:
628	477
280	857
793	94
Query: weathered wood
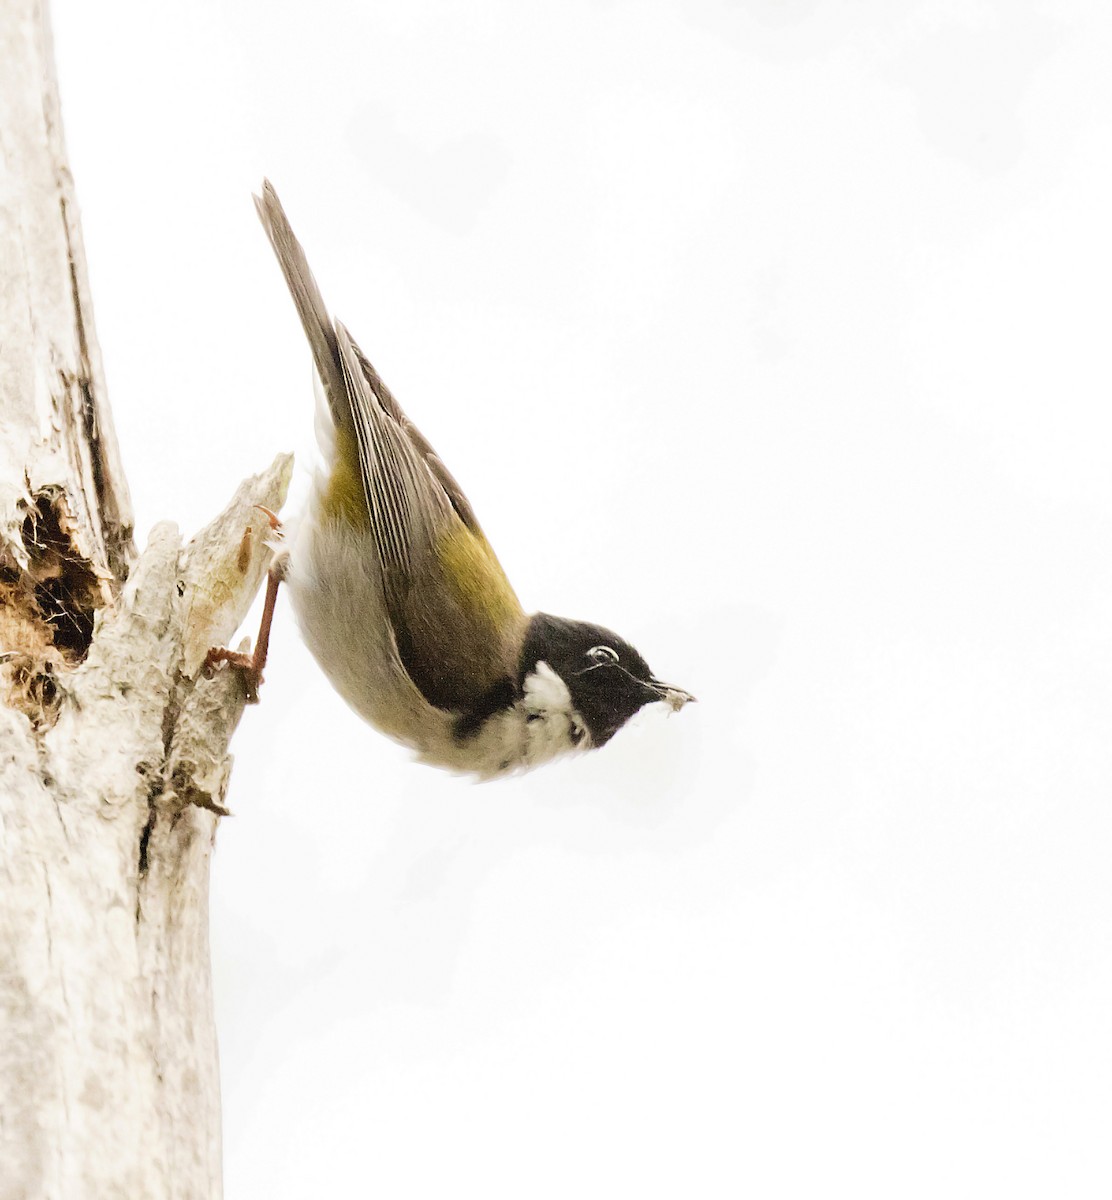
113	746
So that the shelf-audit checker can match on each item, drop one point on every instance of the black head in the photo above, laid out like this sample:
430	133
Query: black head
608	680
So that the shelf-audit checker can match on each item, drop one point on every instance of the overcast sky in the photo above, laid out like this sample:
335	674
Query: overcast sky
772	334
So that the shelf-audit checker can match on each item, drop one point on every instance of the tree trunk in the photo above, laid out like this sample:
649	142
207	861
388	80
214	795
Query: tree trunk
113	746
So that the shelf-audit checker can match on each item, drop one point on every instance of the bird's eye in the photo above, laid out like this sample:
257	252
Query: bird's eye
603	654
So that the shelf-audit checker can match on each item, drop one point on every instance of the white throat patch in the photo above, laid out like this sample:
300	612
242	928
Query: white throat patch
552	724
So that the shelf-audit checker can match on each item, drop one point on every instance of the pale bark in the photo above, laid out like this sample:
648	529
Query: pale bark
113	747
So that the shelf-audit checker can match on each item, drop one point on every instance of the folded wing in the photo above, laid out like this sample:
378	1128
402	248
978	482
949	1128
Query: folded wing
457	623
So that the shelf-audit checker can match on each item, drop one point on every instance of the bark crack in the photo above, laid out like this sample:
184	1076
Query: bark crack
49	916
115	538
144	843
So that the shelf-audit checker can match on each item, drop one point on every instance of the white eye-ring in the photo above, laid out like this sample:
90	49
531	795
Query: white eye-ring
603	654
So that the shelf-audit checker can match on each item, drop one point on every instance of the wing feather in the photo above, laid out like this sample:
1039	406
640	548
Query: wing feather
456	620
419	443
408	510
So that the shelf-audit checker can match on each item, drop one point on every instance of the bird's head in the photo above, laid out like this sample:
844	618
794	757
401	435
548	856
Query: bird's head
607	680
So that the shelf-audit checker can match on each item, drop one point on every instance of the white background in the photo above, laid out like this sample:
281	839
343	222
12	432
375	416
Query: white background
773	334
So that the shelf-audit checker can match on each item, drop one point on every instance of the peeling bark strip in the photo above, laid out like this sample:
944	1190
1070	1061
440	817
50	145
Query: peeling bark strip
114	764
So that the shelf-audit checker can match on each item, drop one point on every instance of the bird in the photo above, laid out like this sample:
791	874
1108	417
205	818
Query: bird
403	602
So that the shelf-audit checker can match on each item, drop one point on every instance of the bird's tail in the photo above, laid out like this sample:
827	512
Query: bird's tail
310	306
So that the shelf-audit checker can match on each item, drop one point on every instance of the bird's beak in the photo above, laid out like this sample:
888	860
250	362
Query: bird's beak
674	697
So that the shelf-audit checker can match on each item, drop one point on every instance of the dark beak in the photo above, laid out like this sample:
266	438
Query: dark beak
674	697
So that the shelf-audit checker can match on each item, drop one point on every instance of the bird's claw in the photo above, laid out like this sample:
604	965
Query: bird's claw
245	664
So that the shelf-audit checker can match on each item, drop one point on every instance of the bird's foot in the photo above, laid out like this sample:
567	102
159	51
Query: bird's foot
247	664
251	665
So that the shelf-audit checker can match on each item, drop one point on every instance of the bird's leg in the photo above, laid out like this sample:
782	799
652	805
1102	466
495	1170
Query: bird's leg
251	665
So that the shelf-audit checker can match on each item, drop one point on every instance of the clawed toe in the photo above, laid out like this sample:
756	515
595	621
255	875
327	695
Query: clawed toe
245	664
274	519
